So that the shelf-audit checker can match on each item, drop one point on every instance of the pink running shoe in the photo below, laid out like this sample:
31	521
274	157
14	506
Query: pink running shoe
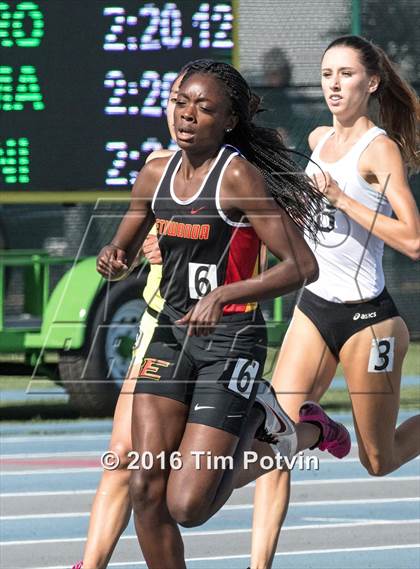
334	438
78	565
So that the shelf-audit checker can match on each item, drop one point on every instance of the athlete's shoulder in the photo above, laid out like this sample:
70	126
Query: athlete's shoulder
383	143
162	153
242	177
316	135
156	165
382	149
149	176
239	168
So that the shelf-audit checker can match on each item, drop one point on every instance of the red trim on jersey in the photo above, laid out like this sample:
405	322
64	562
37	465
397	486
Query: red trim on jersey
244	248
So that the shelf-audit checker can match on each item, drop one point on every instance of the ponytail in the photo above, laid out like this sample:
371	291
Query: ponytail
399	111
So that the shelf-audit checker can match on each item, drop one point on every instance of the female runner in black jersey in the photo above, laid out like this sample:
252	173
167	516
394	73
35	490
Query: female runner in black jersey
201	373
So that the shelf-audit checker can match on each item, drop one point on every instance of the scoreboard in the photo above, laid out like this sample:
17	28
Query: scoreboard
84	83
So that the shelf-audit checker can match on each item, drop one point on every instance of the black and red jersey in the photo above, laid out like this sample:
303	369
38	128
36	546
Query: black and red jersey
201	247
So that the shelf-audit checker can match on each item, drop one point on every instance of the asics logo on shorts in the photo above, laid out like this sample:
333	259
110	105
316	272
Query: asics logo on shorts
364	316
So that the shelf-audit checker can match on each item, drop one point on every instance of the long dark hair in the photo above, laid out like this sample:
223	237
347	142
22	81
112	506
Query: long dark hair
399	109
264	148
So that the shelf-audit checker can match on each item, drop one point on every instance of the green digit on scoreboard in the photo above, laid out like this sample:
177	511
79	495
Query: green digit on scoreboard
12	32
14	160
25	92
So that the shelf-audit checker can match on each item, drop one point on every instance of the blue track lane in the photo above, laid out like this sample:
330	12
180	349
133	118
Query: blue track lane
92	437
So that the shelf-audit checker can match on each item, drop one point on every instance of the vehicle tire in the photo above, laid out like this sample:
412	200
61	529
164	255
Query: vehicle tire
93	376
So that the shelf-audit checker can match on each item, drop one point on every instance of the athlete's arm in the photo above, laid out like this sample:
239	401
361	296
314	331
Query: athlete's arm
116	259
382	165
150	248
243	192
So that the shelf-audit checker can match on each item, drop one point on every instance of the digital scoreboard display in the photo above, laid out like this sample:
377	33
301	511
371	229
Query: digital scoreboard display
84	84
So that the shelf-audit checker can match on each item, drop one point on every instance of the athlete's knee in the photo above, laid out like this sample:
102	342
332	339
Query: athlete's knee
377	464
188	509
147	489
120	449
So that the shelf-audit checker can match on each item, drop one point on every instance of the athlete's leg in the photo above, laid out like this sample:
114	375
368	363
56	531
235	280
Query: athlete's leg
194	494
373	378
158	425
214	459
304	370
193	489
111	508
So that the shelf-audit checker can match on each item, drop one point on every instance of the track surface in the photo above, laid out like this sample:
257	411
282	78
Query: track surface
339	516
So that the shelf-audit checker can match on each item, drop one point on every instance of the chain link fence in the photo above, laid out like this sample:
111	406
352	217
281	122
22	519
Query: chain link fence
279	48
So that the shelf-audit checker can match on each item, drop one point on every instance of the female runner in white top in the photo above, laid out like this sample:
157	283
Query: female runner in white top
347	314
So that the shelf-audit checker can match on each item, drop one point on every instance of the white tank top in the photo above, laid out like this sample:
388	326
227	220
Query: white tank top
348	255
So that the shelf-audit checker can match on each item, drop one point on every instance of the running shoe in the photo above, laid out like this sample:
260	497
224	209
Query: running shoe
278	428
78	565
334	438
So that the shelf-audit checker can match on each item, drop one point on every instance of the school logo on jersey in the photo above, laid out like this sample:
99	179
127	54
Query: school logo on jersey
195	231
150	368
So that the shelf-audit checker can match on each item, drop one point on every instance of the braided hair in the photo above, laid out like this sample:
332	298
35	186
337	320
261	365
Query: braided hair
264	147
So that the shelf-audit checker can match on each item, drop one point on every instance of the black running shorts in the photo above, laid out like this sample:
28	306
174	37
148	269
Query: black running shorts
215	375
337	322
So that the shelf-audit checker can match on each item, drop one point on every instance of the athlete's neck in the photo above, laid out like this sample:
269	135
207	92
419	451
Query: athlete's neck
194	164
352	130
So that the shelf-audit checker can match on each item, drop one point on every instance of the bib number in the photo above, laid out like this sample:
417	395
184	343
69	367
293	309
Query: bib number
243	377
381	355
202	279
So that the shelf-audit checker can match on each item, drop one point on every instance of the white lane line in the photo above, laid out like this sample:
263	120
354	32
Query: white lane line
30	439
6	440
294	483
51	493
247	555
233	507
332	502
373	479
51	454
64	437
42	471
223	531
45	516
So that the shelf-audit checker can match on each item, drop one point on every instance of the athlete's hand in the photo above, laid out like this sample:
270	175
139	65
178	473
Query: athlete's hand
111	262
203	317
151	250
329	187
